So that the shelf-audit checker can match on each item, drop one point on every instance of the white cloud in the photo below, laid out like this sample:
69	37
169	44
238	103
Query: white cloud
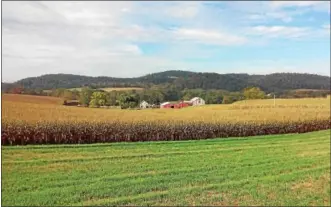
208	36
272	15
186	10
313	5
106	38
285	11
87	13
280	31
326	31
295	3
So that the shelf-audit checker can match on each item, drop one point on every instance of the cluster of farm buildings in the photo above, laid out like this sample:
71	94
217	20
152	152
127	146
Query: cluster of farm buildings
196	101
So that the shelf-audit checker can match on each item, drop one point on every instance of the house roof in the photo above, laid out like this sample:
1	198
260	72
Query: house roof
143	102
194	99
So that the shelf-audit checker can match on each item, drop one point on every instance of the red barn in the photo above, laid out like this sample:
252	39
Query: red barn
165	105
168	105
182	104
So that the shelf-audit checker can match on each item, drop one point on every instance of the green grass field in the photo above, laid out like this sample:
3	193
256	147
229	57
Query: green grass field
269	170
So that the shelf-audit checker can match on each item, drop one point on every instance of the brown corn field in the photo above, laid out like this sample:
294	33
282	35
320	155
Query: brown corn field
26	120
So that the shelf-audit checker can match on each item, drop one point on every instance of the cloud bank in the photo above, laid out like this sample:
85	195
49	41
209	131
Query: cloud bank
127	39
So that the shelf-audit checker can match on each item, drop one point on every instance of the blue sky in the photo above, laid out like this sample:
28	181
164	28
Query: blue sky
128	39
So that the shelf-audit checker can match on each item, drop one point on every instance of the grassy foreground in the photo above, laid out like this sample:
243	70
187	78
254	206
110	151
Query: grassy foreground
267	170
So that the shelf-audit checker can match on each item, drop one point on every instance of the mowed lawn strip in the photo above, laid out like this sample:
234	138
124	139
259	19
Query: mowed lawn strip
270	170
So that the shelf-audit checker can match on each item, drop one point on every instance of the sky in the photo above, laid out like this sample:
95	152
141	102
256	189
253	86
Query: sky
130	39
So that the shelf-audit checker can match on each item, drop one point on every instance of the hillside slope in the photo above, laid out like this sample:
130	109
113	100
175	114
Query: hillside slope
184	79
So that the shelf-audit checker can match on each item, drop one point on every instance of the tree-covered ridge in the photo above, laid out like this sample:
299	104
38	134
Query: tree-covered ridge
184	80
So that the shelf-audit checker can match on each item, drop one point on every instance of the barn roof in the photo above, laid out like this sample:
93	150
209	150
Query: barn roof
165	103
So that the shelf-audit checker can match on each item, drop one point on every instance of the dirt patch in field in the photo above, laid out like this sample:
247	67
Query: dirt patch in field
310	184
215	198
54	167
308	153
315	186
32	99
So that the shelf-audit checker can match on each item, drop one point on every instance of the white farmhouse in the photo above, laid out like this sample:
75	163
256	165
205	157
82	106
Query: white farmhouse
197	101
144	105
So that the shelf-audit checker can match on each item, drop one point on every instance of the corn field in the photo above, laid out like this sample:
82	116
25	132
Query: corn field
29	122
22	133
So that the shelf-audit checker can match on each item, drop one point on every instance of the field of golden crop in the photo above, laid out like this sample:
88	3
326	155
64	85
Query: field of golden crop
49	122
33	108
40	100
291	102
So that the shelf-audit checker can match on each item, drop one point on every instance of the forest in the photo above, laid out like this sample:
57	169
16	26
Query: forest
172	86
276	82
95	98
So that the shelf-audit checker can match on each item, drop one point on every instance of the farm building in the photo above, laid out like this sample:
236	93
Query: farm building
183	104
197	101
165	105
71	102
144	105
178	105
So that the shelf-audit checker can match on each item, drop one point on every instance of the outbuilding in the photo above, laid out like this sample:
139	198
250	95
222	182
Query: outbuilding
144	105
197	101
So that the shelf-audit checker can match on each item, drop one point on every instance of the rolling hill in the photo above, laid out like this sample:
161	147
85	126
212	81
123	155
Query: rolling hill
182	80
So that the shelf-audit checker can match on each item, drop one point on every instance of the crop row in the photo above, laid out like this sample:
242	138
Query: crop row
22	133
280	106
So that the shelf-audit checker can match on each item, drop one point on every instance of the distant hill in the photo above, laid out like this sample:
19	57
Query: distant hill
6	86
184	79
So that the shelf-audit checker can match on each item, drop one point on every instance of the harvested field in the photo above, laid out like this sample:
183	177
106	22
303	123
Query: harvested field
18	99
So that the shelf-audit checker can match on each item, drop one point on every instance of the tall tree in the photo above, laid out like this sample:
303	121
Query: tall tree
127	100
254	93
111	98
85	96
98	99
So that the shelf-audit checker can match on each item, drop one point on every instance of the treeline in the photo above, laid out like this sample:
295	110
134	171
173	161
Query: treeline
131	99
276	82
303	94
90	97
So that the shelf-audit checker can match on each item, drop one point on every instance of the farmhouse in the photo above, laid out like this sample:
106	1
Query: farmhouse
197	101
144	105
